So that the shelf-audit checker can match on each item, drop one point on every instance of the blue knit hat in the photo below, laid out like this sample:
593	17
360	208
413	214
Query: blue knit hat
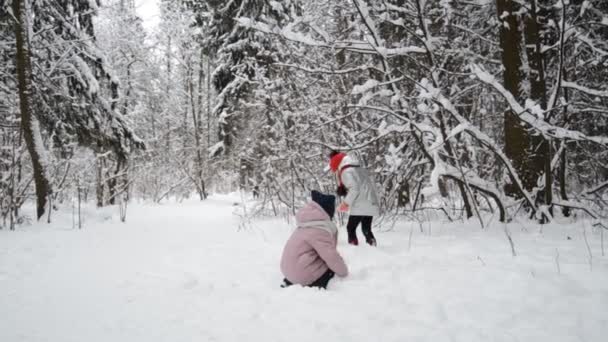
327	202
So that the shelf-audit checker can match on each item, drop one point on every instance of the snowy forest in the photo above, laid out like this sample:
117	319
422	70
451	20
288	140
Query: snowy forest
158	181
464	107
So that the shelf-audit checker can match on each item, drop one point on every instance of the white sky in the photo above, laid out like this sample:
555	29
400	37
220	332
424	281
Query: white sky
148	10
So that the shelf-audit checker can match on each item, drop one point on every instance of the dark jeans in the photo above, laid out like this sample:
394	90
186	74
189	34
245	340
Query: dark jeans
320	283
366	227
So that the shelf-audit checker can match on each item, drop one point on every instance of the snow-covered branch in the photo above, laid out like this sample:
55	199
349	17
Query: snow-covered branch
532	114
583	89
328	71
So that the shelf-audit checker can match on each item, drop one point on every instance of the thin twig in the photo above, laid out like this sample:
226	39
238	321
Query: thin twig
588	247
409	243
557	261
508	234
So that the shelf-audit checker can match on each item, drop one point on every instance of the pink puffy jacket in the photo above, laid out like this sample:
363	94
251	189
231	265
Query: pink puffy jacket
311	249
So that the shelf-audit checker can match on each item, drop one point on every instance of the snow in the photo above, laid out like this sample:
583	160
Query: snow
433	187
277	6
428	91
149	12
365	87
191	271
401	51
590	43
454	132
215	149
85	75
93	5
584	7
593	92
285	32
38	143
369	23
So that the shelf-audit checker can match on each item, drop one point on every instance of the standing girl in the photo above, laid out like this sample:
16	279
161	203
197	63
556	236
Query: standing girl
360	197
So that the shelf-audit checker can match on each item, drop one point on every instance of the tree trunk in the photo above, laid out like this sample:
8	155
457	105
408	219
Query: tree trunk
100	184
403	194
196	121
208	103
519	143
114	184
540	157
563	162
29	123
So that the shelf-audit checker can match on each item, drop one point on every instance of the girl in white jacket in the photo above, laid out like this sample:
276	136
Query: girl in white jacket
361	199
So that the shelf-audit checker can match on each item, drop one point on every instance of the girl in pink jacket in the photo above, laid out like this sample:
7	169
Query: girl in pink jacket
310	257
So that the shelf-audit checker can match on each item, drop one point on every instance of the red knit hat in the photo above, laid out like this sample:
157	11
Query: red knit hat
335	160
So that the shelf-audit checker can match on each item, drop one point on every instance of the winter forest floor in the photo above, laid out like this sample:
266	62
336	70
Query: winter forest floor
186	272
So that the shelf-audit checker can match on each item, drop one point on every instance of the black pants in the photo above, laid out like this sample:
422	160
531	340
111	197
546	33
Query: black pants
366	227
320	283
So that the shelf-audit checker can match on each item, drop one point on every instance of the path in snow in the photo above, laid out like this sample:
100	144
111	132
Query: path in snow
184	272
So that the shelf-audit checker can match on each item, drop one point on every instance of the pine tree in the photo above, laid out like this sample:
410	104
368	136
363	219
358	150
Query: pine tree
71	92
77	91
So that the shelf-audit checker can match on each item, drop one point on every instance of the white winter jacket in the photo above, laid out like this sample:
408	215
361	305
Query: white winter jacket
362	197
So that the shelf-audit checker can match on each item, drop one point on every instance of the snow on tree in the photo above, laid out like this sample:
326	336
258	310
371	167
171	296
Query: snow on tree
67	92
417	65
462	107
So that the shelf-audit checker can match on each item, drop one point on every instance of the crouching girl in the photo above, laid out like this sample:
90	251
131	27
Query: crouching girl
310	257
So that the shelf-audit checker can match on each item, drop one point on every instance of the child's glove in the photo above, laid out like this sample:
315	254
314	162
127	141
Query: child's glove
343	207
341	190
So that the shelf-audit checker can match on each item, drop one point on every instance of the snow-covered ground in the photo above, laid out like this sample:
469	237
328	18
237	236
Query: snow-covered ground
186	272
